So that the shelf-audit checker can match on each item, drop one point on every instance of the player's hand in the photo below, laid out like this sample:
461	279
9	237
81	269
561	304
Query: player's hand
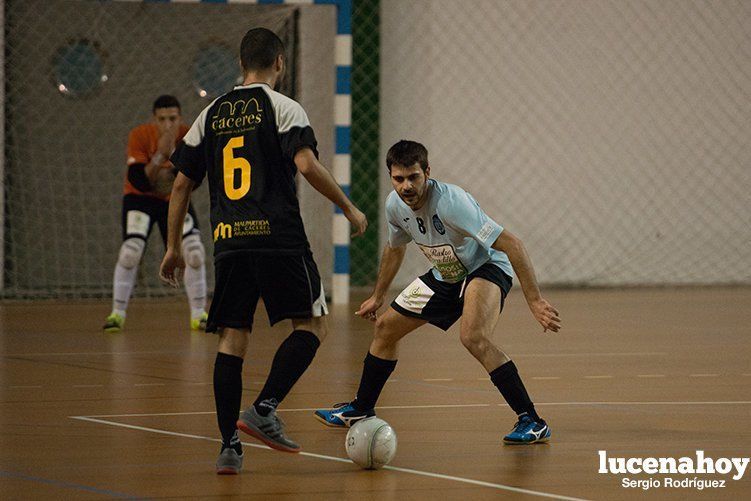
166	143
357	219
546	315
369	307
171	269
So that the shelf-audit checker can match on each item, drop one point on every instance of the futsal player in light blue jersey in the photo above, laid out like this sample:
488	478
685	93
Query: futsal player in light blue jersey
474	259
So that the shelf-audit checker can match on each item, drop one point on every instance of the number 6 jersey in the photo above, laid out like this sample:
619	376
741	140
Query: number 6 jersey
450	229
244	142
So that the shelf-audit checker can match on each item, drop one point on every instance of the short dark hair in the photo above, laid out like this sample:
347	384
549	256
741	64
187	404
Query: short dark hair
407	153
259	49
165	101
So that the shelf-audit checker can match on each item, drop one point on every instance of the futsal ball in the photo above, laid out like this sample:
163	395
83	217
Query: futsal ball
371	443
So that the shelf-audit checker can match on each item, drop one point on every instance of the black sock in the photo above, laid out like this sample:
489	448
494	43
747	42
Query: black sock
506	379
290	362
228	387
375	373
234	443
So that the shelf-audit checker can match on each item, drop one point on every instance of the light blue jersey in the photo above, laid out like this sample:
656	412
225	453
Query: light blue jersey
450	229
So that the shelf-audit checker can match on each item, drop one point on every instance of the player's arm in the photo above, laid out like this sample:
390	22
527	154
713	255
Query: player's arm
165	147
391	261
322	180
178	208
542	310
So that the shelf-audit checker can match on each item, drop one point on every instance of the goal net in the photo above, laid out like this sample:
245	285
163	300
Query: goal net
612	136
80	75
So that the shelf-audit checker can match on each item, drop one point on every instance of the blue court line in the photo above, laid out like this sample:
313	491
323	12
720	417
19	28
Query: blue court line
59	483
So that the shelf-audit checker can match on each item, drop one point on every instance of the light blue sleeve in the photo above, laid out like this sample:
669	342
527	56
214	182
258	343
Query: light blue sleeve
462	213
397	235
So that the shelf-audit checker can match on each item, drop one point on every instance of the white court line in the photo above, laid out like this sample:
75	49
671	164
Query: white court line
703	375
340	460
168	352
601	354
437	406
67	354
598	377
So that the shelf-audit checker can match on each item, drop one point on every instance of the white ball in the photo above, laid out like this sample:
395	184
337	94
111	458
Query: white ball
371	443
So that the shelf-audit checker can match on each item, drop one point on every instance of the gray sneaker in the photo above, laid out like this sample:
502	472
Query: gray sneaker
229	462
269	430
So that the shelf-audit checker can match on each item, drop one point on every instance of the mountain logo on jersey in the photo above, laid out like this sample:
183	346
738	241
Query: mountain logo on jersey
222	231
438	225
236	116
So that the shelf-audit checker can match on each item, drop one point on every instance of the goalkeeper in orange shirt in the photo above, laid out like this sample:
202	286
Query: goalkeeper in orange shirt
148	184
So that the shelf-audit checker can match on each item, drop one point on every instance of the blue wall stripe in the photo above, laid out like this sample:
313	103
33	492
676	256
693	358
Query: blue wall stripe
341	259
346	189
343	76
342	139
270	1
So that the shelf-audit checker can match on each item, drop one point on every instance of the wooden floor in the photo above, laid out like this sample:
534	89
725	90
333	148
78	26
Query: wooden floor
656	372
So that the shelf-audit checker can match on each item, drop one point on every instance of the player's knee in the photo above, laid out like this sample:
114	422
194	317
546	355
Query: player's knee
193	251
384	331
473	341
131	252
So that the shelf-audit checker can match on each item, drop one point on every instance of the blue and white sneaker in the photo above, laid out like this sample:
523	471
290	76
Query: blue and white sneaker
528	431
342	415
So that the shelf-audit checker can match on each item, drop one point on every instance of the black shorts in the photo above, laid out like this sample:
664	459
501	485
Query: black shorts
141	212
289	285
441	303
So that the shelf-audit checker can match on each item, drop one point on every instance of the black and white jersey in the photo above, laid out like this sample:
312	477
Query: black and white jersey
245	142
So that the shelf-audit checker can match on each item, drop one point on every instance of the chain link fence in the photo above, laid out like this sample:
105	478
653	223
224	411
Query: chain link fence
611	136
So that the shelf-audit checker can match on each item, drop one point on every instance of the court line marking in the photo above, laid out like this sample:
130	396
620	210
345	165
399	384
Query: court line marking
341	460
434	406
68	485
703	375
213	353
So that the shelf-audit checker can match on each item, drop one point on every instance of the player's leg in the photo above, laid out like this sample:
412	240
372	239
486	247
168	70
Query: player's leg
194	275
482	298
228	385
291	289
424	300
136	225
382	356
378	365
231	315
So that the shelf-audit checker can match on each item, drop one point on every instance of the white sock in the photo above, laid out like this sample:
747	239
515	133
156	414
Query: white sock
125	279
195	288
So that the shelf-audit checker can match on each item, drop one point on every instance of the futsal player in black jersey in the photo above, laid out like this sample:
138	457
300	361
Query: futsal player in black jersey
249	144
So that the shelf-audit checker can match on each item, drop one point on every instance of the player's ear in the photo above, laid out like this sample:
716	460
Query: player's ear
427	171
279	64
